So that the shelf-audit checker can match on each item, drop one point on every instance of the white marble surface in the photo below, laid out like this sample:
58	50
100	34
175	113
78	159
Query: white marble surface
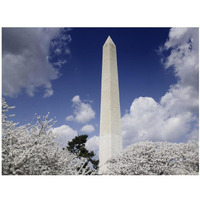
110	123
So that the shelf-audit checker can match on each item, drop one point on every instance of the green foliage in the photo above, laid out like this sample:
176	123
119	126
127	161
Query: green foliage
77	146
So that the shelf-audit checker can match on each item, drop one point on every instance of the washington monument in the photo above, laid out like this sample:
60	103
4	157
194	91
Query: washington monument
110	122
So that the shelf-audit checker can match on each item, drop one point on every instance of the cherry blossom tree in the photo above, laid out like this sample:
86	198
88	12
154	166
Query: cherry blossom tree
156	158
33	150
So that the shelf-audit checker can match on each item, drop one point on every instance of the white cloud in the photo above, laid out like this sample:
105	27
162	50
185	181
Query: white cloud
175	117
92	144
48	90
26	61
88	128
183	96
48	93
83	112
148	120
64	134
69	118
76	99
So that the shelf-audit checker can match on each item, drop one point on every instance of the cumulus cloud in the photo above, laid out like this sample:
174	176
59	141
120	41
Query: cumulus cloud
149	120
184	58
69	118
64	134
29	59
83	112
88	128
175	117
59	48
92	144
76	99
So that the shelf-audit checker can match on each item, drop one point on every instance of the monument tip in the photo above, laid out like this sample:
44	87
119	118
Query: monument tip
109	40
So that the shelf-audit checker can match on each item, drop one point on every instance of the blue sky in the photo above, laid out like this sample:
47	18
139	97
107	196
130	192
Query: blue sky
44	69
87	13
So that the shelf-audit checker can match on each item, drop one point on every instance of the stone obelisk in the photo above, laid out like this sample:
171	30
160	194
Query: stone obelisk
110	122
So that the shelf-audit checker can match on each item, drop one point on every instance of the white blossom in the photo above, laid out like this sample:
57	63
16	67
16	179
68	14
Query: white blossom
156	158
33	150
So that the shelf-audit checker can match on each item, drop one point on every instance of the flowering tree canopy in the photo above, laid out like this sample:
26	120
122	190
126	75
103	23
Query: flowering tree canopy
32	149
156	158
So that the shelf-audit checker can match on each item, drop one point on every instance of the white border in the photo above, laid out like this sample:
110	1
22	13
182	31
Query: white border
104	13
